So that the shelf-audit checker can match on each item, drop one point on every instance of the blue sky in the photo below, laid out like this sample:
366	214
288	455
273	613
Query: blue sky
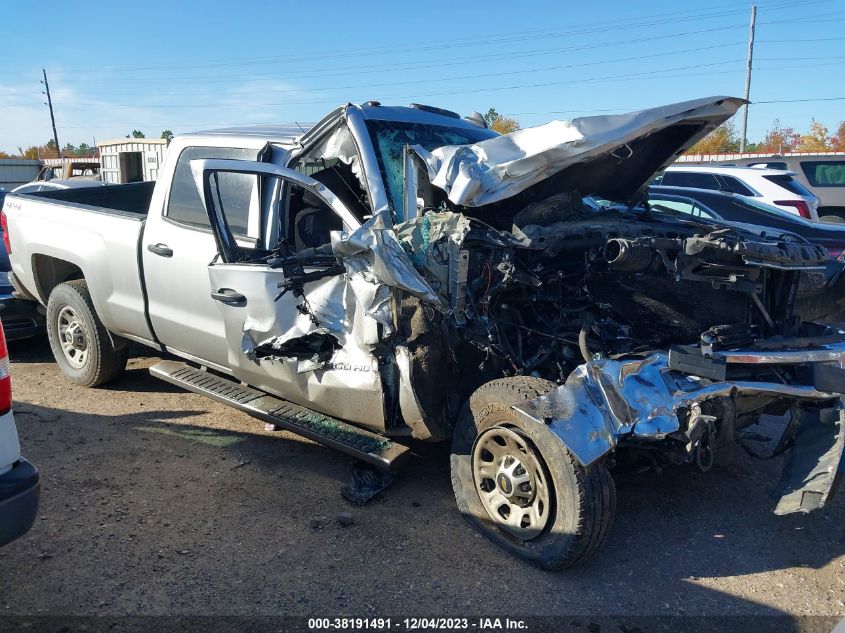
118	66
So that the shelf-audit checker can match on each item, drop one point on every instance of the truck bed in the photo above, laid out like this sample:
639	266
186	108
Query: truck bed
133	198
90	232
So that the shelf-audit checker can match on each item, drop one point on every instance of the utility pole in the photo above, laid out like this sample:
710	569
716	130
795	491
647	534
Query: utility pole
49	104
748	78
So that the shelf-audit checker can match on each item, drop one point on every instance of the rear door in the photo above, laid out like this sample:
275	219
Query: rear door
291	323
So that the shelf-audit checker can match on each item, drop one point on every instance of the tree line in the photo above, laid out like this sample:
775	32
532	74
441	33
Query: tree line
83	150
778	140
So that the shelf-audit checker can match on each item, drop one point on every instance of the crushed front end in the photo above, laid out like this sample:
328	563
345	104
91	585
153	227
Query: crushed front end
668	337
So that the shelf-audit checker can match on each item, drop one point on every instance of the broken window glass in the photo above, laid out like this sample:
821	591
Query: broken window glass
390	138
335	162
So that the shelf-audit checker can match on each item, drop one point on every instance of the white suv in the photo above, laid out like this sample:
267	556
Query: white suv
777	187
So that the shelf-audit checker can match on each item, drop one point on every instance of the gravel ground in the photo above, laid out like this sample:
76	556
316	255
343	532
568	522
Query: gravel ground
157	501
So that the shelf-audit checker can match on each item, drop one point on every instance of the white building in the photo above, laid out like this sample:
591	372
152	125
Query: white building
17	171
131	159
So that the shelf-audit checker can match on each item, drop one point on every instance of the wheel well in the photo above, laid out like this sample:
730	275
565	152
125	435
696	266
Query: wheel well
49	272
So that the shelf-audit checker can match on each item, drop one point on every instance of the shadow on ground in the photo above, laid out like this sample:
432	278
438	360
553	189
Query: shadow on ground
193	508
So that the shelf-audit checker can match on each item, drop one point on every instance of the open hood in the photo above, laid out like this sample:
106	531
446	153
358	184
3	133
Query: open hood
612	156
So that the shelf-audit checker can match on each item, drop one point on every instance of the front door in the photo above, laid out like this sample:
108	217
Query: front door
177	249
291	322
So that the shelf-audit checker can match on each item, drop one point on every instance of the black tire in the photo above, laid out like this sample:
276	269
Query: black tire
583	499
103	361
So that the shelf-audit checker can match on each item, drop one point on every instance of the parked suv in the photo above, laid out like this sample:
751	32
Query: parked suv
823	174
19	486
777	187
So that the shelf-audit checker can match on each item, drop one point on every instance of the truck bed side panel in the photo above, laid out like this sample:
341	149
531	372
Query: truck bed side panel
102	242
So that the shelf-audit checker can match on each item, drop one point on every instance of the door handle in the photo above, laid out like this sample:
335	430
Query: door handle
160	249
227	295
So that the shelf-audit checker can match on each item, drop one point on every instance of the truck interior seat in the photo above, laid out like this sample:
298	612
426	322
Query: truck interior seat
313	223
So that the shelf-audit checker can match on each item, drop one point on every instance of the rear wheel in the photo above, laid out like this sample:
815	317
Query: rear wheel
517	483
83	348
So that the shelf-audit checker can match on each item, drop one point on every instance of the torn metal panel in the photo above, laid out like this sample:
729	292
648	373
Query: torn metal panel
605	400
495	169
433	243
409	406
375	263
814	462
344	379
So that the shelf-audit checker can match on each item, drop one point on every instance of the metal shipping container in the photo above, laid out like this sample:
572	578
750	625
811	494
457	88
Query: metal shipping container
131	159
17	171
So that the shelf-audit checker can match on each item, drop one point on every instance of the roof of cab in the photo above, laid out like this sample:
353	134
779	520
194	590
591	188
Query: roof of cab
288	133
410	114
280	133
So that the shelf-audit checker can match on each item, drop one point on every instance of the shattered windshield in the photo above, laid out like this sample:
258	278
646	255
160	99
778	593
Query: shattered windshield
390	137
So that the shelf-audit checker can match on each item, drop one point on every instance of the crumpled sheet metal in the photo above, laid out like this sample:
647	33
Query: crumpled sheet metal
327	301
375	262
498	168
606	399
433	242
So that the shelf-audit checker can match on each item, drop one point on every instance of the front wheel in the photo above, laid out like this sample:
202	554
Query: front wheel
83	348
518	485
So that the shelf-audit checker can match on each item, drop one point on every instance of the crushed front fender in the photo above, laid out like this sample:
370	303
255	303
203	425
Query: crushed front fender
605	402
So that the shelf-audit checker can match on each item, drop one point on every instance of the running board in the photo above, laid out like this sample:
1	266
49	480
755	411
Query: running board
370	447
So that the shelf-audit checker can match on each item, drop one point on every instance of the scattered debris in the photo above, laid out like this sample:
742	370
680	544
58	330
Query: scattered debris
345	519
236	466
365	484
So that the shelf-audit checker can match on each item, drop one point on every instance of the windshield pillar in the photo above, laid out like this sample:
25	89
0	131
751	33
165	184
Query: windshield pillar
369	161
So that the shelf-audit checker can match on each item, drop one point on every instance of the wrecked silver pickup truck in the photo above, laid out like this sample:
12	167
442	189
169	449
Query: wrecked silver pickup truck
402	273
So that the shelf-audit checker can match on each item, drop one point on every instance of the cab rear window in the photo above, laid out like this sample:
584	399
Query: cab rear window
828	173
237	190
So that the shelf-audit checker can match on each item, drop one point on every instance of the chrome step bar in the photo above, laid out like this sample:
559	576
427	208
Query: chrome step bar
369	447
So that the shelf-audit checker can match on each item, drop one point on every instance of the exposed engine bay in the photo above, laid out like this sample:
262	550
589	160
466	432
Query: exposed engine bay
631	313
545	298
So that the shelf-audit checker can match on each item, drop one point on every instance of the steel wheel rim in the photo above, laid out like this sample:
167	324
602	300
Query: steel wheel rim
72	337
511	482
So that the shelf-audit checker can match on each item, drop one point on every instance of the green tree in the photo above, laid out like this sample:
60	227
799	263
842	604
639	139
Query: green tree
136	134
83	149
69	150
167	135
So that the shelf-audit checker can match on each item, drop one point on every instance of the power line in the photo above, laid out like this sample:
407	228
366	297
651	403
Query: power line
521	71
496	57
803	100
512	114
450	61
486	40
624	76
633	108
434	64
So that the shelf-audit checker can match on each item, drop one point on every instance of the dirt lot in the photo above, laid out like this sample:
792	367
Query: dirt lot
157	501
